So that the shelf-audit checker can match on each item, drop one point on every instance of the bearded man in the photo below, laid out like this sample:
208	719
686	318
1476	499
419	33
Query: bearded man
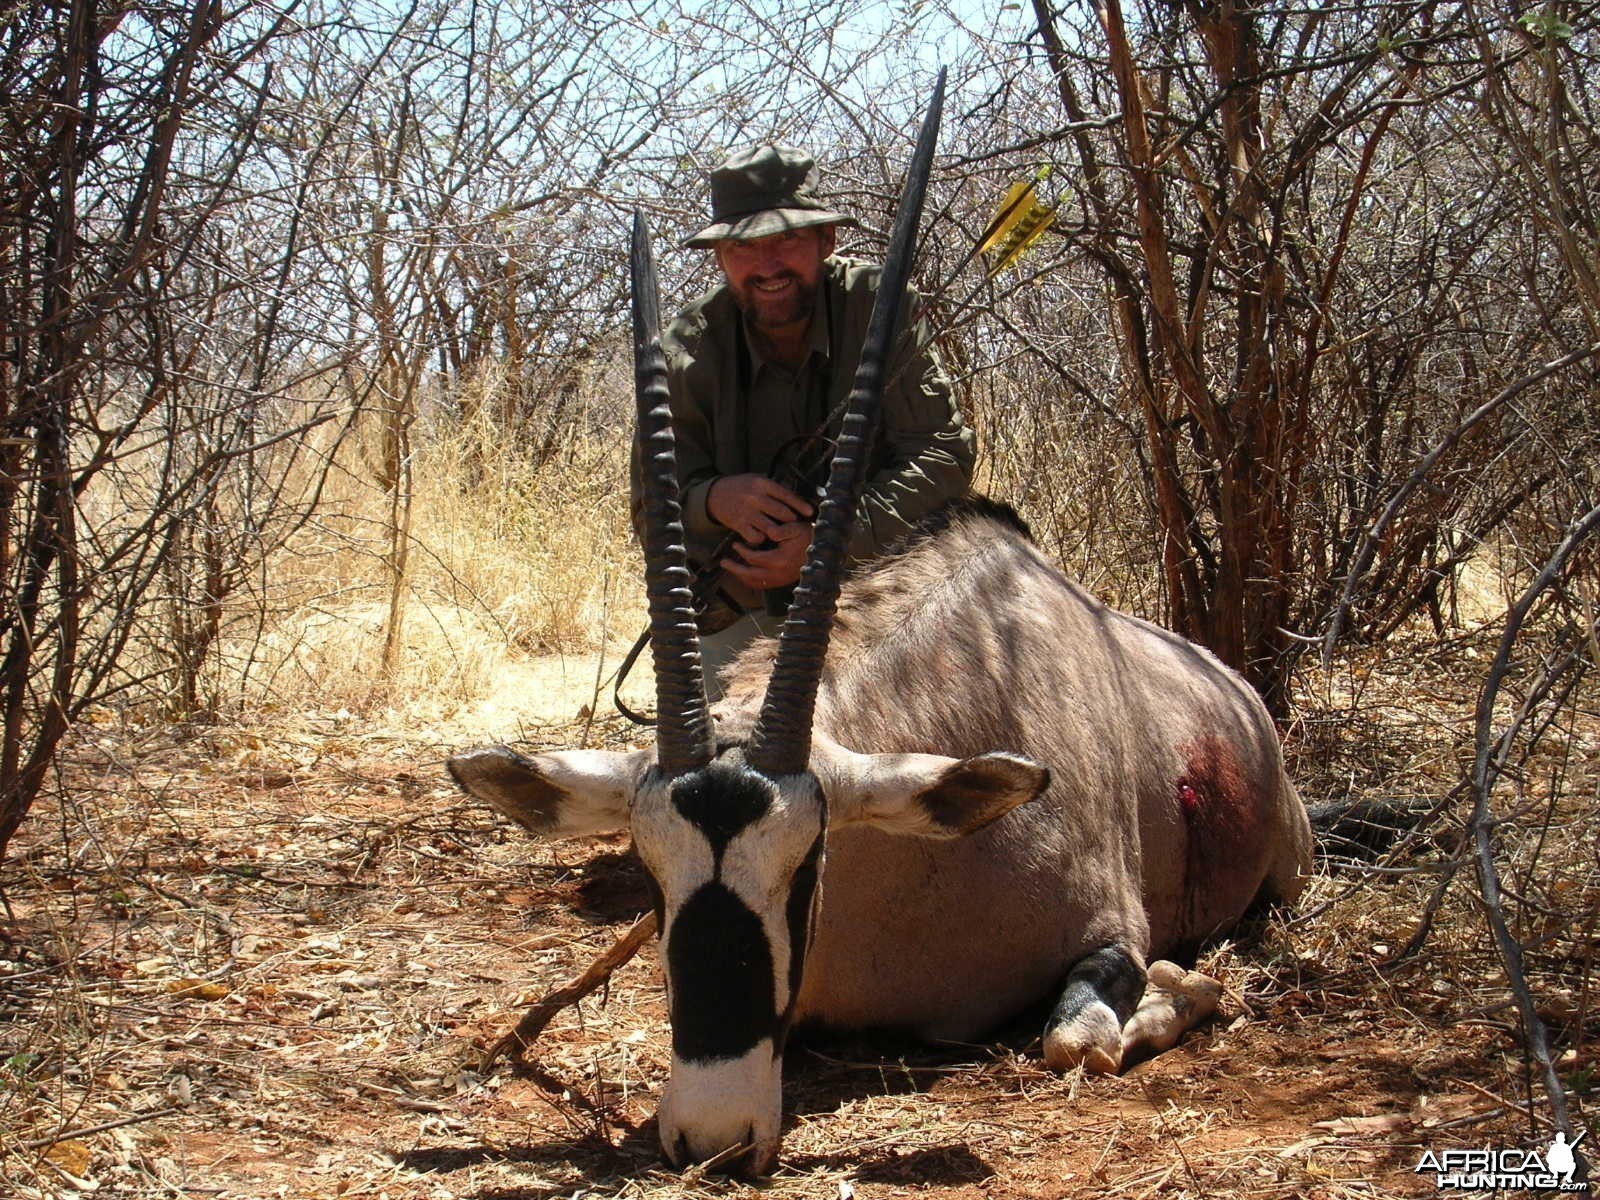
759	369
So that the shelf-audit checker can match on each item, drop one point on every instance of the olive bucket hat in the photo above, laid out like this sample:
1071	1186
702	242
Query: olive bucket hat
756	193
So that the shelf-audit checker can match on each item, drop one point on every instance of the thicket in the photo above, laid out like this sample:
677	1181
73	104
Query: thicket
311	316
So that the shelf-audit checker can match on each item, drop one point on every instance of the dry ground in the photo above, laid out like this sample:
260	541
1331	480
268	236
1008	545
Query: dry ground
277	952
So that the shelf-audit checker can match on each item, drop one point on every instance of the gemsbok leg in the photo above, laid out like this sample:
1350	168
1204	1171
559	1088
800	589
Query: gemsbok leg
1112	1007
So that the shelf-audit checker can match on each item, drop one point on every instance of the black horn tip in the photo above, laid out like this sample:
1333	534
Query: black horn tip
781	739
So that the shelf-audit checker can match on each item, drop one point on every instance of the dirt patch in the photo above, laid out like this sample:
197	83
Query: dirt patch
279	958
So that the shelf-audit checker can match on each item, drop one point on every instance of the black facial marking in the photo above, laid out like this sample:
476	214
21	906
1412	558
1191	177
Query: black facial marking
720	801
720	966
802	891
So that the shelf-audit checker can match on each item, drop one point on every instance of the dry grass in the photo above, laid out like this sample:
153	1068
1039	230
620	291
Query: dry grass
508	562
275	946
280	948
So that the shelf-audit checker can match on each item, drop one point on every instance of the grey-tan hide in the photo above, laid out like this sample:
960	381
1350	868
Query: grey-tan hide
1168	813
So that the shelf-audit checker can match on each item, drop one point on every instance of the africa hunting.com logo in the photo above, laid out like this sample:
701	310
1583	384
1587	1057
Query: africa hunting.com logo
1511	1170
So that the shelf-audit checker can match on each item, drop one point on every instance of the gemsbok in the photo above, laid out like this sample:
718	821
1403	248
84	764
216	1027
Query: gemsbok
956	785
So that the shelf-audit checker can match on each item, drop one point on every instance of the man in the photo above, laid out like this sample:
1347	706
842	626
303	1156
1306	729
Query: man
763	362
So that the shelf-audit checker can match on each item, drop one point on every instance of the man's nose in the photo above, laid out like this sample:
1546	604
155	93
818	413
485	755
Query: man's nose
771	262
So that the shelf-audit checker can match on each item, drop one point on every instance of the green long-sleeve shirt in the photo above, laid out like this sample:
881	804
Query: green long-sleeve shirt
733	411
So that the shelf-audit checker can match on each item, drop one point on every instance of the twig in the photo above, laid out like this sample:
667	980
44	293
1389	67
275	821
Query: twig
1177	1143
1474	1119
41	1143
699	1171
1499	1101
1484	775
1368	545
596	974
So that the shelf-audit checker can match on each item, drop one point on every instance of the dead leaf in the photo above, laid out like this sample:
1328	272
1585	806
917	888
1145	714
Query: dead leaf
72	1156
201	989
1436	1110
1303	1145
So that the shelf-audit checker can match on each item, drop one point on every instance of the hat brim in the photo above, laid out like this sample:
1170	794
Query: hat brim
764	224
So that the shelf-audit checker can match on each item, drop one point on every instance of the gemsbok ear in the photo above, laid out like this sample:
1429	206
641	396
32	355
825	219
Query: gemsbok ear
567	793
926	795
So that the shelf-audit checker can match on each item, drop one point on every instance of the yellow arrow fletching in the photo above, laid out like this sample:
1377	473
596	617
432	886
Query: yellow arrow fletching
1023	236
1020	222
1019	199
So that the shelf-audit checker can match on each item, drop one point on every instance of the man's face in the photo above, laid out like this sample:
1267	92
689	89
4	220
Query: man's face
775	280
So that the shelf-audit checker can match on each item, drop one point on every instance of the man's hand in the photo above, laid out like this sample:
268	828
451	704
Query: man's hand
755	507
776	566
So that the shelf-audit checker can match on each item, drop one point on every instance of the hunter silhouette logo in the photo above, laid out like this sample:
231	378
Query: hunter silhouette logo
1511	1170
1559	1158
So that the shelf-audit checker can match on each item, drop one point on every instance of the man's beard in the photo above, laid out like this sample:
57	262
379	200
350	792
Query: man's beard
767	312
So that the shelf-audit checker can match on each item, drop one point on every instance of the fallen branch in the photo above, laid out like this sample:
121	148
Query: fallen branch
597	973
69	1135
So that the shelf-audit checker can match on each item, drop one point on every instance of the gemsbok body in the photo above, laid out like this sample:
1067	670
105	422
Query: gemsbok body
957	787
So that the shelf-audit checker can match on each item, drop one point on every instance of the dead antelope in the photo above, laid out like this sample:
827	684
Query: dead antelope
970	786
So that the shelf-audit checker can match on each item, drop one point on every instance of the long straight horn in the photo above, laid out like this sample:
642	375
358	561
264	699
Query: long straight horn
781	741
683	723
